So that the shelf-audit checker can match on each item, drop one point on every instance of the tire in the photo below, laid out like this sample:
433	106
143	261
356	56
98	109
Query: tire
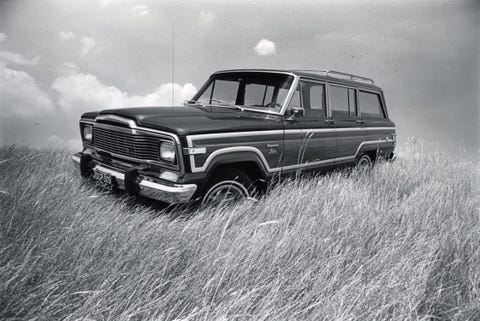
227	186
364	162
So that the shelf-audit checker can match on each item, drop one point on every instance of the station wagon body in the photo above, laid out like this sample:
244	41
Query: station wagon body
241	128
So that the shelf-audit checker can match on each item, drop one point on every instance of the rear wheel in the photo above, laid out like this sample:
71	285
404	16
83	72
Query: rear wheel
226	186
364	161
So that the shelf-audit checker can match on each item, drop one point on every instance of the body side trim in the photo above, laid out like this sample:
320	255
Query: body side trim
280	131
262	157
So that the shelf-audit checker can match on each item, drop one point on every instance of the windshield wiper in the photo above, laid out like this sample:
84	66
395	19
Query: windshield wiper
224	103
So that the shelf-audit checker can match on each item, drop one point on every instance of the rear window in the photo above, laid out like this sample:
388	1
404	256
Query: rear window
370	105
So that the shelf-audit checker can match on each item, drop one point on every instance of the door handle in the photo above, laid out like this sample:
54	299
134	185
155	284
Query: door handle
360	121
329	121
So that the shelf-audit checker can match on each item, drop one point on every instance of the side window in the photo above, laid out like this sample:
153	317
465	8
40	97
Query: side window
370	105
339	102
317	98
313	99
352	102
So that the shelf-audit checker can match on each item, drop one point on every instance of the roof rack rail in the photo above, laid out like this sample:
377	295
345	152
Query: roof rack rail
332	73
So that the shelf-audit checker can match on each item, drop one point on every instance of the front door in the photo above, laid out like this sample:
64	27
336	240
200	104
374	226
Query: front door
309	140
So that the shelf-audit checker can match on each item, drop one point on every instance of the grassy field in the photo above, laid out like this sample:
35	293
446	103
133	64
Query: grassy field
400	242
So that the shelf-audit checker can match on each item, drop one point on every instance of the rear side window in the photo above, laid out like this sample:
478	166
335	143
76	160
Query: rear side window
370	105
343	102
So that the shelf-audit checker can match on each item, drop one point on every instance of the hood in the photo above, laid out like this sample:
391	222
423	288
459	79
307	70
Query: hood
188	120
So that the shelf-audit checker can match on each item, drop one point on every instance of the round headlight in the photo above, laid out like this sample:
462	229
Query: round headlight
87	133
167	151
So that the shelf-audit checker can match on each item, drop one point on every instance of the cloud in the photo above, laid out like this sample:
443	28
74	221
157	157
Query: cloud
80	92
162	96
66	35
20	94
88	44
140	10
68	68
3	37
265	47
7	57
206	17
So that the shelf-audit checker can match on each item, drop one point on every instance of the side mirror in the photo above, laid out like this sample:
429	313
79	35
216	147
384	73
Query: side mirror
296	111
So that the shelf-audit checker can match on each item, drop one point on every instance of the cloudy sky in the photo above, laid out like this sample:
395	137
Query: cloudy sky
61	58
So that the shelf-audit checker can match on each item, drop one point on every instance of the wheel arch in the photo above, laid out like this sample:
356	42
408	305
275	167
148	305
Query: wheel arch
247	161
370	150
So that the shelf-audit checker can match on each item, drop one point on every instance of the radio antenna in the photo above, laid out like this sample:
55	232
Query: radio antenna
173	63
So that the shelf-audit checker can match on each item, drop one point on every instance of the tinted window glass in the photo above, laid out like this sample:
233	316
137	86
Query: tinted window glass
370	105
313	99
317	97
263	91
339	101
352	102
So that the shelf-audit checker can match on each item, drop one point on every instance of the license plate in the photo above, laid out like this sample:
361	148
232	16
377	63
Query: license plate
103	180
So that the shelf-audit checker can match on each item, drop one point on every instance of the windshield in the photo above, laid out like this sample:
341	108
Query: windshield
261	91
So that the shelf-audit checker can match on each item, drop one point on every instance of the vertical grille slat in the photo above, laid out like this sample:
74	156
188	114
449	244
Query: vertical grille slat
138	146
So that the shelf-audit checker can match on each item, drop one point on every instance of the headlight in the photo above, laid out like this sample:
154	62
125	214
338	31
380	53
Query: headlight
167	151
87	133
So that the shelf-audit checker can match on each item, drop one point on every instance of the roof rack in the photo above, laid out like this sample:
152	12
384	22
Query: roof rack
341	74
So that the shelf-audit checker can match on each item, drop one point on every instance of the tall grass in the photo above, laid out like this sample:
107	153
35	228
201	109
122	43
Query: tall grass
400	242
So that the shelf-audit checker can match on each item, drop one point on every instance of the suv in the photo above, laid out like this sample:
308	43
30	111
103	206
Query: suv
241	129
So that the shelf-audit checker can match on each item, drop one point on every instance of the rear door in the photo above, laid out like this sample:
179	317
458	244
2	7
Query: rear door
309	140
350	129
380	130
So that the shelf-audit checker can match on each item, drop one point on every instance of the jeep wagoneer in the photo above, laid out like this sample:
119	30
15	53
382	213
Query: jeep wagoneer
242	128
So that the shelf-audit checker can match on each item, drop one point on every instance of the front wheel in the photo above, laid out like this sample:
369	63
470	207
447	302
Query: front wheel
227	186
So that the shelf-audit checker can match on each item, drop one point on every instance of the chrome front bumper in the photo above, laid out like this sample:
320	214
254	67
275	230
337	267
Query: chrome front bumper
165	192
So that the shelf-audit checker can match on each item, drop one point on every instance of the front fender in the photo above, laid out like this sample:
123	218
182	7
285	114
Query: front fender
238	157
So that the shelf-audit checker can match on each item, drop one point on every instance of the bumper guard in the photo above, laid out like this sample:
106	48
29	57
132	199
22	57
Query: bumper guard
165	192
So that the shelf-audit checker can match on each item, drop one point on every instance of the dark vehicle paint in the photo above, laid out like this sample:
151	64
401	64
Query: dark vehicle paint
275	143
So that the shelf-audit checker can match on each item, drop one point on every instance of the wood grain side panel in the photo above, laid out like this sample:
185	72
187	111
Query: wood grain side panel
308	147
271	146
349	141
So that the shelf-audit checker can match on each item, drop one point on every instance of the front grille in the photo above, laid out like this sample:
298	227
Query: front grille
138	146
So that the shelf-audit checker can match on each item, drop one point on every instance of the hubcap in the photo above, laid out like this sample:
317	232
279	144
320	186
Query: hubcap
364	162
225	192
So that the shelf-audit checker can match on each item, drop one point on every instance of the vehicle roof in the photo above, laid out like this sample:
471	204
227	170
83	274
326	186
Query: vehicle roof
313	74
